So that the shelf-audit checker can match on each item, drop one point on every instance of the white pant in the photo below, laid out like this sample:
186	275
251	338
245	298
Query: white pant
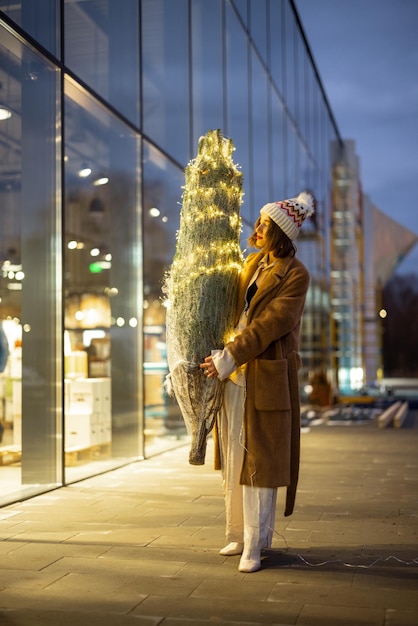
250	511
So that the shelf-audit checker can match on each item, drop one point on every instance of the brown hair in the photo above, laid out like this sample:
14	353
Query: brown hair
277	241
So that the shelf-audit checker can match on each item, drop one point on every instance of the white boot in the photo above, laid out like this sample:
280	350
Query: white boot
259	509
232	549
250	561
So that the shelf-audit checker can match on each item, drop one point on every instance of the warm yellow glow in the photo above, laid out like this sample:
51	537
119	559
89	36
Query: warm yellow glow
85	171
209	259
203	270
101	181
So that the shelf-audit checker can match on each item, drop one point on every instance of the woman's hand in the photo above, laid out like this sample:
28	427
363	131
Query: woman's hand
209	368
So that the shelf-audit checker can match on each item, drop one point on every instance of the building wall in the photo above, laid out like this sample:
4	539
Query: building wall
373	366
108	101
347	264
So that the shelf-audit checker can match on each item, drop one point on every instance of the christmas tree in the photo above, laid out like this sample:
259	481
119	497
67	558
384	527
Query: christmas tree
202	283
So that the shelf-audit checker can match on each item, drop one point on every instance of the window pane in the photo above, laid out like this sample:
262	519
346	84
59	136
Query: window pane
165	75
30	262
242	8
207	65
261	153
277	39
102	48
102	269
258	12
39	18
237	95
289	58
277	148
301	84
162	185
290	161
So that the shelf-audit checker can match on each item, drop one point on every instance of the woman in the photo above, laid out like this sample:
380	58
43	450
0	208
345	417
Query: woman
257	435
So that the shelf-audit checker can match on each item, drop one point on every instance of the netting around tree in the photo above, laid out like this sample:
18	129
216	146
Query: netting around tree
201	284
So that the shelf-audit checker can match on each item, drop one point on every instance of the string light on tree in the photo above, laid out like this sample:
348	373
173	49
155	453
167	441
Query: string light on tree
202	282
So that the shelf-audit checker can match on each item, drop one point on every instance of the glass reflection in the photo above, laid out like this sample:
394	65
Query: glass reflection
242	8
289	78
165	75
102	341
162	183
258	20
277	147
39	18
237	99
277	37
207	66
30	262
101	47
260	121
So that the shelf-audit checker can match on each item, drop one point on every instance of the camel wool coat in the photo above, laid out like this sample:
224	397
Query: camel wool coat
269	346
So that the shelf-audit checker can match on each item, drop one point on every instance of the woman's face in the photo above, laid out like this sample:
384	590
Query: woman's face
262	230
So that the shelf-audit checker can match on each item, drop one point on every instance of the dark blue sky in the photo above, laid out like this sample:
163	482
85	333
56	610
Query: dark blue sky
366	52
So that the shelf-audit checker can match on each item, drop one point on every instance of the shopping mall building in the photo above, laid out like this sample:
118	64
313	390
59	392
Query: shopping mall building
102	103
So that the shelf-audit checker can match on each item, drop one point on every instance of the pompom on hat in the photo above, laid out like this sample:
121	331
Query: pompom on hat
290	214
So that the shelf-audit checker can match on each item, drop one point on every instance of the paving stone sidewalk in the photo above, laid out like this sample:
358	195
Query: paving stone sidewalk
138	546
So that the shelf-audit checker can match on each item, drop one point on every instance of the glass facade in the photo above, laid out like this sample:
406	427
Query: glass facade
102	104
102	279
347	273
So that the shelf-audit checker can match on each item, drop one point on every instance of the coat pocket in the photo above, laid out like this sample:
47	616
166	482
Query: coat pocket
272	392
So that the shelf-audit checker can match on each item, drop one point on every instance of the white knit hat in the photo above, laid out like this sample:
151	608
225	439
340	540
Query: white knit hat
290	214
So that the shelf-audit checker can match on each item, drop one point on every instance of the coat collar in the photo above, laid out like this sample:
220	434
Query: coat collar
276	273
279	267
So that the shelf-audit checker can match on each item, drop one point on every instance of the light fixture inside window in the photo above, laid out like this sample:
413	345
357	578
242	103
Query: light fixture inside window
101	181
5	113
84	171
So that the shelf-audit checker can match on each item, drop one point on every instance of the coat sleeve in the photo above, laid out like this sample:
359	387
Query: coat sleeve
276	319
